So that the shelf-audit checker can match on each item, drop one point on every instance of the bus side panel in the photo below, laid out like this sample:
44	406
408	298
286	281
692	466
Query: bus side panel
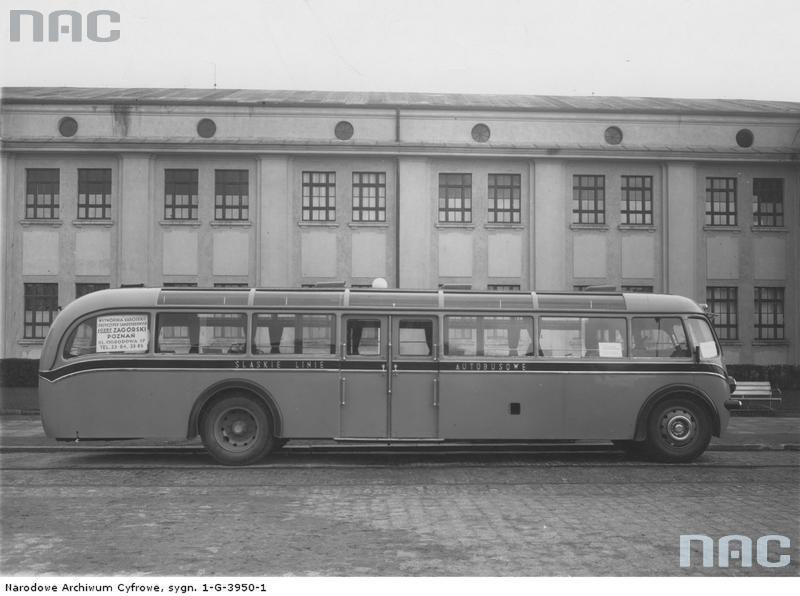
500	405
100	404
308	400
104	404
605	406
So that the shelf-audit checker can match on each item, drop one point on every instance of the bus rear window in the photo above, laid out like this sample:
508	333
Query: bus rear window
200	333
117	333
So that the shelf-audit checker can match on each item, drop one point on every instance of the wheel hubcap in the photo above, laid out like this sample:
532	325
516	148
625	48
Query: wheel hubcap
678	427
236	430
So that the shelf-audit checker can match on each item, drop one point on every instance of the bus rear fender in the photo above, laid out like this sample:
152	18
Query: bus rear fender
669	392
230	385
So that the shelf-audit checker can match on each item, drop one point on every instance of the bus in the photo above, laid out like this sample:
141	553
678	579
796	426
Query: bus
250	369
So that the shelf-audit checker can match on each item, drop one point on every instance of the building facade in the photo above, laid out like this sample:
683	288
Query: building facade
112	187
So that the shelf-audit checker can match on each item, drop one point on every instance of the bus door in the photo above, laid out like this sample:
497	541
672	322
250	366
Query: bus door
414	380
365	378
389	377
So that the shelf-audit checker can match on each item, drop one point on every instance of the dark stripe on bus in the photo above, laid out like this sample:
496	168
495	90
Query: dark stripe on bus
307	364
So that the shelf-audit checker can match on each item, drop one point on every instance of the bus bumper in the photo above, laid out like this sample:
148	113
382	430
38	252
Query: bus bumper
733	404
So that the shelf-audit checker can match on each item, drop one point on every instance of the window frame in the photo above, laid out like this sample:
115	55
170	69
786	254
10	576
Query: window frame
514	200
171	204
365	192
30	296
591	209
776	319
326	200
631	207
455	209
774	189
721	202
238	180
85	184
36	197
727	329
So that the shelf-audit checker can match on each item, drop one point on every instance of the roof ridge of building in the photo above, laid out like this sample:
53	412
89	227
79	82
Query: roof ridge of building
392	100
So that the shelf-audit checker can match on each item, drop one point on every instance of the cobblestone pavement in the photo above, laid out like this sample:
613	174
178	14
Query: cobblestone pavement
506	515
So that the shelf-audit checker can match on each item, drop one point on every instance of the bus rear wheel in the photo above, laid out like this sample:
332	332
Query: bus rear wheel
237	430
678	430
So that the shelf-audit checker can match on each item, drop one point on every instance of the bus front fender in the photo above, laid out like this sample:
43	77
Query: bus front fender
672	391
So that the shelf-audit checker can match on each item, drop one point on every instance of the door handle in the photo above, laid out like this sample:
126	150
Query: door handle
436	393
343	382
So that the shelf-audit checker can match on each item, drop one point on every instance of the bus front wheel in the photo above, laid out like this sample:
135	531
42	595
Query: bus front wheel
678	430
236	430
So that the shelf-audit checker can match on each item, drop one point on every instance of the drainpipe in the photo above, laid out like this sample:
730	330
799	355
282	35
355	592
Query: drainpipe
397	201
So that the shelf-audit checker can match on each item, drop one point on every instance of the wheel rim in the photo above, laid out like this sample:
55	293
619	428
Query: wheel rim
236	430
678	427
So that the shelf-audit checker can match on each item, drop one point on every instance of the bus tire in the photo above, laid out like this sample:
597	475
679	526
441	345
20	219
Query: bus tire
678	430
237	430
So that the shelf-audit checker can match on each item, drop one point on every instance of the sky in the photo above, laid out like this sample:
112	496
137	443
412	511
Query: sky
744	49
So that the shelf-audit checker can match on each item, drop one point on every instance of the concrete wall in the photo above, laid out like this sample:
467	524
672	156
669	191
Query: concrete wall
411	249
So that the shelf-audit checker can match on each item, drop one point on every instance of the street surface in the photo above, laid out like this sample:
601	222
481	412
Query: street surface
149	511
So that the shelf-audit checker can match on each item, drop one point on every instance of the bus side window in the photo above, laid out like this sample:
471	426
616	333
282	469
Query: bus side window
560	337
416	338
82	340
363	337
605	337
110	333
659	337
177	333
461	336
507	337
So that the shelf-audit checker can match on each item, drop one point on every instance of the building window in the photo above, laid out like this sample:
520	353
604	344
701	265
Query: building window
83	289
637	200
769	313
638	289
180	284
505	198
720	201
369	196
319	196
723	302
42	193
588	199
231	195
768	202
504	287
180	194
227	284
41	307
94	194
455	198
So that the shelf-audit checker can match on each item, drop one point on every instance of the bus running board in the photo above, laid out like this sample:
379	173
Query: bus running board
384	440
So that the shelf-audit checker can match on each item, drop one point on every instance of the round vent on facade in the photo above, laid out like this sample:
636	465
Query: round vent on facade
744	138
344	131
206	128
481	133
613	135
67	126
